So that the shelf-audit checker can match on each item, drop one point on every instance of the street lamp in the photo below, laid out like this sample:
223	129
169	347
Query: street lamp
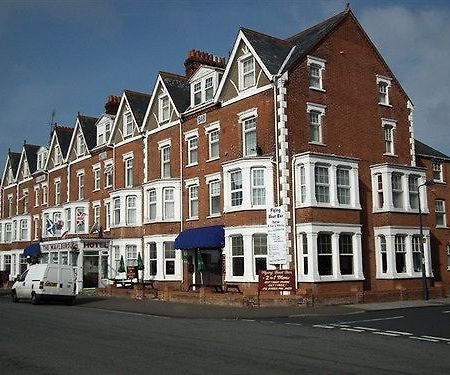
422	252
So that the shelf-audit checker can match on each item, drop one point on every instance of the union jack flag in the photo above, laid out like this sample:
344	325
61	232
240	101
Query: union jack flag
80	217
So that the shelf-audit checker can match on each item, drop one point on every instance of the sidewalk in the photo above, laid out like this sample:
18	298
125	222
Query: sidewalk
204	311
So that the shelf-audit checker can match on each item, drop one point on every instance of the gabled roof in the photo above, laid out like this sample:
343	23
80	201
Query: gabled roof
138	103
425	150
31	155
64	135
89	130
178	88
13	160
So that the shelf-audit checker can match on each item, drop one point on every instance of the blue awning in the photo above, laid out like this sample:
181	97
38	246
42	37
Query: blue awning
212	237
32	250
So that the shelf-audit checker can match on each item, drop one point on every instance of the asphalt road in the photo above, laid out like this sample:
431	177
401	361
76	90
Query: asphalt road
57	339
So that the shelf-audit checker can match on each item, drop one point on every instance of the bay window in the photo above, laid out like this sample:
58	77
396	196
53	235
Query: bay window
131	217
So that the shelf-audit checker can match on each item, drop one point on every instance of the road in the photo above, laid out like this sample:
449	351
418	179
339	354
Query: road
57	339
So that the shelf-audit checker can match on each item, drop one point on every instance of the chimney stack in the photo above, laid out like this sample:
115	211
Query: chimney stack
112	104
196	58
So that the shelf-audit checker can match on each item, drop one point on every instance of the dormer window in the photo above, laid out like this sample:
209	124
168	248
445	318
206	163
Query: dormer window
41	159
26	170
80	145
164	112
103	133
202	90
107	131
247	72
58	157
127	124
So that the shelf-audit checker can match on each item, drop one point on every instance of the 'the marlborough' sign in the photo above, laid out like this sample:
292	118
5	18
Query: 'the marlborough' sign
276	236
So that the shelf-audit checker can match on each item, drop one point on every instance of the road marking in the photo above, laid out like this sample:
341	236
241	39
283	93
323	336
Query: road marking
248	320
386	334
436	338
293	324
423	339
323	326
367	328
131	313
446	312
372	320
352	329
341	325
400	333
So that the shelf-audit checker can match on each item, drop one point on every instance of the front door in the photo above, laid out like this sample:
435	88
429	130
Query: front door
90	271
212	267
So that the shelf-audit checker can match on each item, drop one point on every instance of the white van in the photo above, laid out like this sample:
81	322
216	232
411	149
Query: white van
43	282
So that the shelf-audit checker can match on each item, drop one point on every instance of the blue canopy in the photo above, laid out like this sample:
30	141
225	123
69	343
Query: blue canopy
212	237
32	250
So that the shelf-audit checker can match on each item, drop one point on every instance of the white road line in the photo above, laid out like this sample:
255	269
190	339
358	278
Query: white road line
323	326
341	325
248	320
386	334
446	312
400	333
423	339
293	324
372	320
352	329
367	328
436	338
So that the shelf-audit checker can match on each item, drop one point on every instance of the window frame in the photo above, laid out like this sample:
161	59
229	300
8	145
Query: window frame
384	82
163	108
440	214
318	63
319	110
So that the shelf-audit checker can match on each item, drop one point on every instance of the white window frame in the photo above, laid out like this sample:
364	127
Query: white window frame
210	130
307	235
96	177
318	63
163	110
128	165
44	194
80	185
152	200
307	197
385	82
389	233
258	188
192	150
439	209
211	180
389	127
131	210
57	182
385	190
81	147
438	168
128	124
320	110
168	201
242	74
109	173
162	146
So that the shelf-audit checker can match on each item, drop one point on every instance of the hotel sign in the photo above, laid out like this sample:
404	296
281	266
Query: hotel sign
276	280
276	236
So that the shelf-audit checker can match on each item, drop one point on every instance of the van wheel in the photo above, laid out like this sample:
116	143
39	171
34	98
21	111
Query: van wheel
34	299
14	297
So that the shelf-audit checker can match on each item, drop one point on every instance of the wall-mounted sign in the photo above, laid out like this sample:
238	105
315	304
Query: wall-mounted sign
276	280
201	119
41	178
132	272
102	155
276	236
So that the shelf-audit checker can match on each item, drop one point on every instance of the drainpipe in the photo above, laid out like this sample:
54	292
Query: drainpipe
294	221
275	109
181	174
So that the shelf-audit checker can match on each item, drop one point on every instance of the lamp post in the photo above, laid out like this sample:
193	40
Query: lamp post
422	251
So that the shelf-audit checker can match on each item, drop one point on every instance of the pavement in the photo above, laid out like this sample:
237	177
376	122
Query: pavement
207	311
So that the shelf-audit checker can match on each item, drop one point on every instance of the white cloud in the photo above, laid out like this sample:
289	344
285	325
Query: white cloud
416	45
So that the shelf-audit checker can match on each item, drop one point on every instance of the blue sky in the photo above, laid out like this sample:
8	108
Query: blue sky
68	56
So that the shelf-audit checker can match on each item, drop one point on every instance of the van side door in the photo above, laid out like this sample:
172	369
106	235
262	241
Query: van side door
23	286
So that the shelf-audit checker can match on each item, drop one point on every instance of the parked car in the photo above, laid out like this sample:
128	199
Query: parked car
43	282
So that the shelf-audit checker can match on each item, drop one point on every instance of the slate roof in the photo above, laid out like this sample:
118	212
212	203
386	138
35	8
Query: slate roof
178	88
31	154
89	130
138	102
425	150
273	51
14	159
64	135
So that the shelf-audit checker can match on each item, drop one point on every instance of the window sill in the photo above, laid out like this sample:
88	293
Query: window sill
95	190
441	227
317	143
439	182
191	165
324	279
213	216
385	104
389	154
192	219
213	159
327	205
108	187
244	208
317	89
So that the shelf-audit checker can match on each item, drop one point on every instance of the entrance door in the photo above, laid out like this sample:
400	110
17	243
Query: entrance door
212	270
90	271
